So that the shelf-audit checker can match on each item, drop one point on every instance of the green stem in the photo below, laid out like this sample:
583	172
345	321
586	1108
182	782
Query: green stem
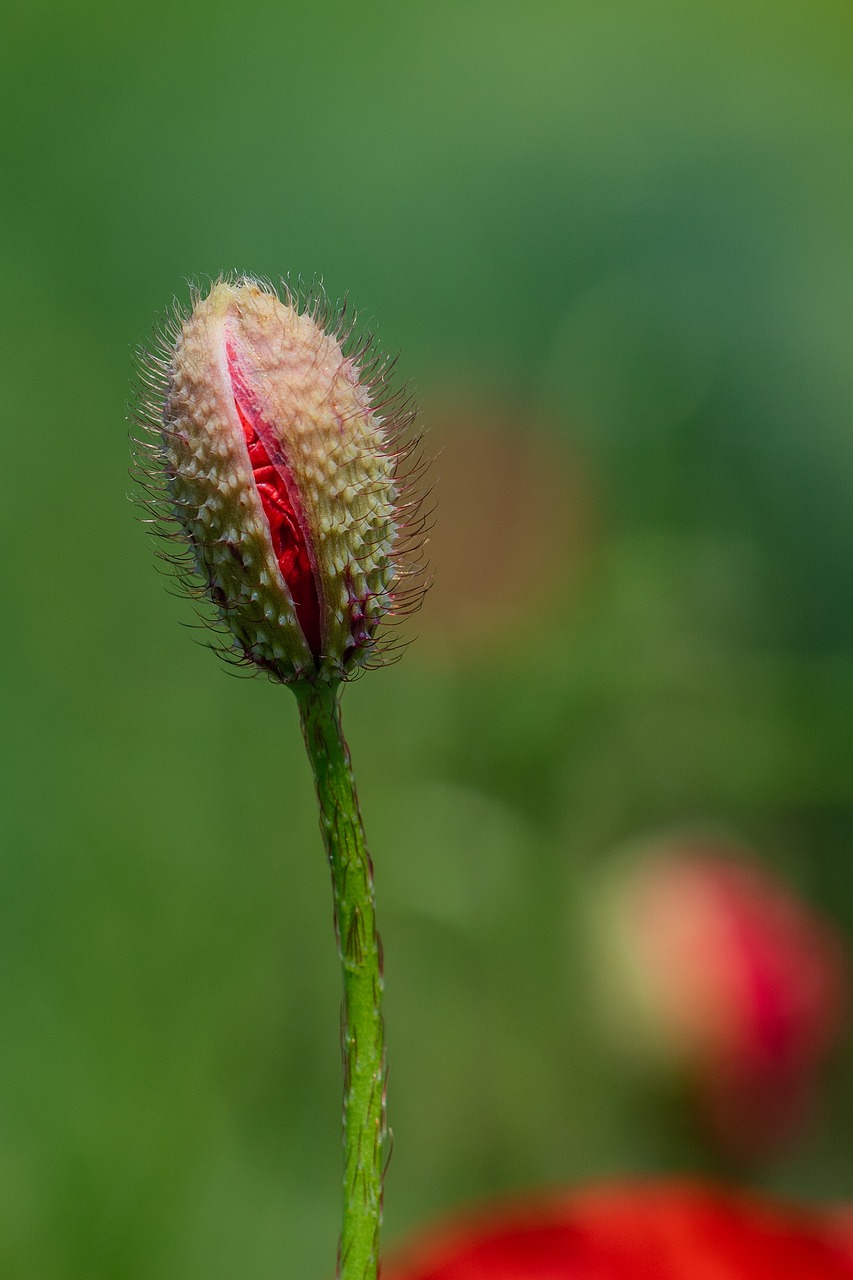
360	952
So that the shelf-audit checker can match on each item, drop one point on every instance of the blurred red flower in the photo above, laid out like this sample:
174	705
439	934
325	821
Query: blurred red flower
667	1231
727	977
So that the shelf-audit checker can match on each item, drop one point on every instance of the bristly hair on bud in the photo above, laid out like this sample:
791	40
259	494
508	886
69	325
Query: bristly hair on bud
276	451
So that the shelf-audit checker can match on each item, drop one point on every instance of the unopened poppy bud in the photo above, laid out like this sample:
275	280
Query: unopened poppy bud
283	477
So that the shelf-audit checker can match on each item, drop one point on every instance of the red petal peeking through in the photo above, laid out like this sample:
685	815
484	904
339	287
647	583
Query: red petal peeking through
282	510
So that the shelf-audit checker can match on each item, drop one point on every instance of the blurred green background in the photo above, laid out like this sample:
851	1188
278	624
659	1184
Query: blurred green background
613	241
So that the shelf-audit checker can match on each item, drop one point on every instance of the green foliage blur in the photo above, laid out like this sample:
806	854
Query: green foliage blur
613	241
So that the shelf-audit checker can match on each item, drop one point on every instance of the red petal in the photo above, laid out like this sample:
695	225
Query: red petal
662	1232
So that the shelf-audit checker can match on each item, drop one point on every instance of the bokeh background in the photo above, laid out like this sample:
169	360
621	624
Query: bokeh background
613	241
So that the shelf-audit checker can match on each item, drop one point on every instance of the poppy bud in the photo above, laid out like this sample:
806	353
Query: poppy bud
283	477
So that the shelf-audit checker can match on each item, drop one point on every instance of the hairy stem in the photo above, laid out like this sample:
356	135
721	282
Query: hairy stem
360	952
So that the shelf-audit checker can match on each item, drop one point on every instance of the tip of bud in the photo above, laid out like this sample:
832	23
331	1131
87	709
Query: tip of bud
276	452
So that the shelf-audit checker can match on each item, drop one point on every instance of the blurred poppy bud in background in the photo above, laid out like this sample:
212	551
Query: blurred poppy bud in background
515	503
668	1231
276	456
717	972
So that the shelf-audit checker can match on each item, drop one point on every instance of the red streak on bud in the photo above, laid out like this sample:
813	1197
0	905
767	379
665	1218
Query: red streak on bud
282	509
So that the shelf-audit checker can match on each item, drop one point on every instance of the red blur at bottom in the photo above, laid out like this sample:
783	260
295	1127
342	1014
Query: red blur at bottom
663	1232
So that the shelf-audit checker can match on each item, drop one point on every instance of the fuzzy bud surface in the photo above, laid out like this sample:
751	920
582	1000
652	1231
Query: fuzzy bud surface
283	478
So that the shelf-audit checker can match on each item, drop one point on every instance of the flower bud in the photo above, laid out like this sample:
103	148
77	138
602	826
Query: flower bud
284	479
